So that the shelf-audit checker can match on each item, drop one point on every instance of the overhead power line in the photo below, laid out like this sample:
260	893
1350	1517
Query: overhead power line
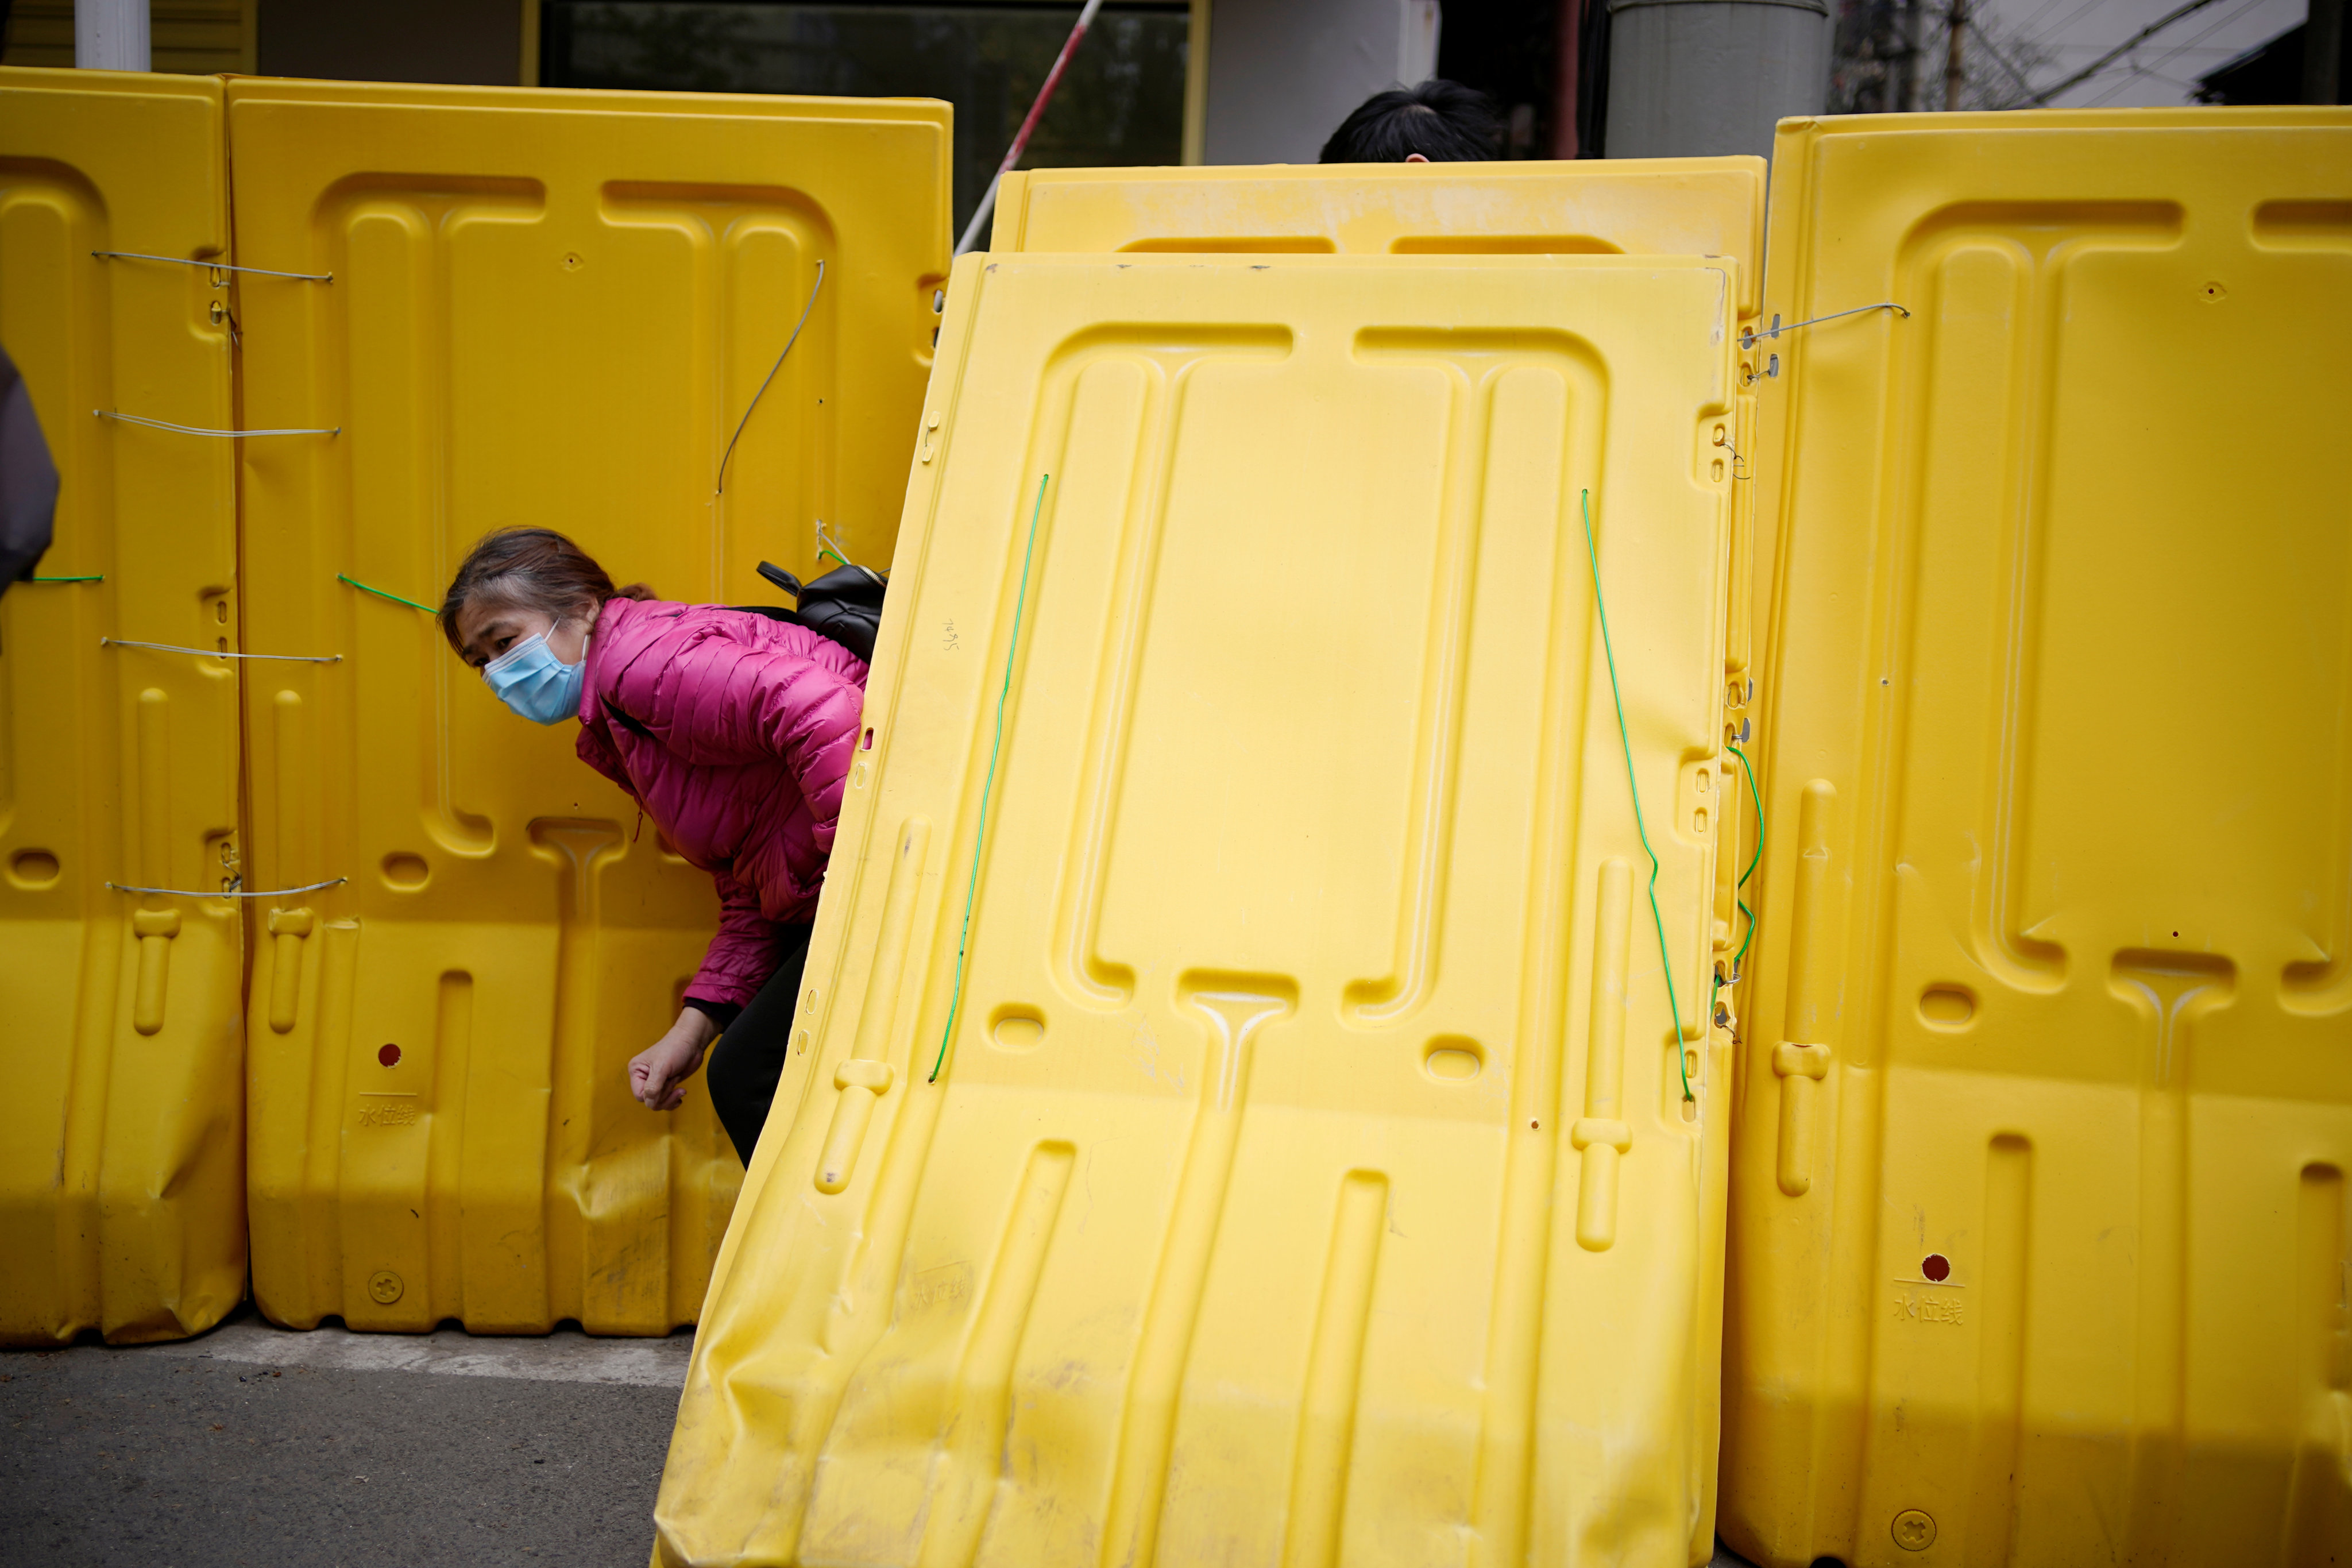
2118	52
1999	59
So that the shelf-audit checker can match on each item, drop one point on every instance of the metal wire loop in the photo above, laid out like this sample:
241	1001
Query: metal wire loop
223	653
199	430
719	485
215	265
232	893
1749	340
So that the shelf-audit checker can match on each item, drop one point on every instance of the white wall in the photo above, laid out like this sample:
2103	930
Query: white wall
1284	73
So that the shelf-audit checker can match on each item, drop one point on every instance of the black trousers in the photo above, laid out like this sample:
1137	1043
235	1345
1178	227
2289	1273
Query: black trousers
749	1058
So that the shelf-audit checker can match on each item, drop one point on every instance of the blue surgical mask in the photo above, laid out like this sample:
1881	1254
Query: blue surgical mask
530	679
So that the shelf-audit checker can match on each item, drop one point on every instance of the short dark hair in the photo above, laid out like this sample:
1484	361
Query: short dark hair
529	569
1444	121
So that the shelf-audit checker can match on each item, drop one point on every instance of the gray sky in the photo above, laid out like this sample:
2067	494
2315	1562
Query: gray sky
2070	33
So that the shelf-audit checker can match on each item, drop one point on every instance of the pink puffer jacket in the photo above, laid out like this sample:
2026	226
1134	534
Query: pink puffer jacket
735	732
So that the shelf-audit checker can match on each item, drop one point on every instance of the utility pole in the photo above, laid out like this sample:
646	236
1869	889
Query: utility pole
1953	75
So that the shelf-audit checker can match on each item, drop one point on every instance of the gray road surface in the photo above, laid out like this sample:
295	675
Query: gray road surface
253	1446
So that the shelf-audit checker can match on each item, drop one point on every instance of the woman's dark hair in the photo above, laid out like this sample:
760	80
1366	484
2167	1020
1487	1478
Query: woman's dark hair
528	569
1444	121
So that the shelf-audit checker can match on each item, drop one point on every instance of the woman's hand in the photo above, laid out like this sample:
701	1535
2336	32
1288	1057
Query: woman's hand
657	1074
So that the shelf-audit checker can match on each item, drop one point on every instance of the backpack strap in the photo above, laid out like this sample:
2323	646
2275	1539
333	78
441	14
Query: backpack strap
616	713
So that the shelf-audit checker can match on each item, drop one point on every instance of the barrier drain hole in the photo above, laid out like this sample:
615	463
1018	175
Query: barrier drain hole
1017	1030
389	1056
1937	1267
385	1287
1946	1006
1913	1531
33	869
1451	1059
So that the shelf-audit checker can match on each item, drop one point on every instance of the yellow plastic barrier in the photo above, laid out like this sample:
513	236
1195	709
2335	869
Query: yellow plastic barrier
546	308
1308	1174
120	1166
1667	206
2040	1247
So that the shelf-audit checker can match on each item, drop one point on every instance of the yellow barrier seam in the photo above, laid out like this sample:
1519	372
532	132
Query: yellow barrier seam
215	265
232	893
380	594
719	487
1757	796
980	839
1665	959
223	653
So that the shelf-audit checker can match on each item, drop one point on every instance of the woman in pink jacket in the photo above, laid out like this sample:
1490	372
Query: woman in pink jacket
732	730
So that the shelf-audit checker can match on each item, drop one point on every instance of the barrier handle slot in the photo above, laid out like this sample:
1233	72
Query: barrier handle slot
288	927
154	928
1796	1062
861	1083
1602	1135
1798	1068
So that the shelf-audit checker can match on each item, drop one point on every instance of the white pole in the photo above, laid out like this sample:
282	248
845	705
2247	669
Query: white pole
111	35
1021	137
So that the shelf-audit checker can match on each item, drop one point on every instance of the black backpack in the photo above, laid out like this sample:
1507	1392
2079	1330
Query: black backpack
844	605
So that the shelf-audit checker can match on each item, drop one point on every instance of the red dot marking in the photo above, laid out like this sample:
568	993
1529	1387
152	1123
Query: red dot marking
1937	1267
389	1056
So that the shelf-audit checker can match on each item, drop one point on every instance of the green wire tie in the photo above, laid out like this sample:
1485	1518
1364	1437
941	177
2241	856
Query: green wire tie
1674	1007
980	840
98	577
381	595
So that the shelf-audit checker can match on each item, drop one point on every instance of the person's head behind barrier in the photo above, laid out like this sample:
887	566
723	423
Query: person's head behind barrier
1435	122
520	610
535	571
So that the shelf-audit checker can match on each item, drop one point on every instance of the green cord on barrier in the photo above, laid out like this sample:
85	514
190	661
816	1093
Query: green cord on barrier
96	577
381	595
1754	794
980	839
1666	959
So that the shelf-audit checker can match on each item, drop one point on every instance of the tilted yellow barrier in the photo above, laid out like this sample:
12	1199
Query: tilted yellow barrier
1308	1170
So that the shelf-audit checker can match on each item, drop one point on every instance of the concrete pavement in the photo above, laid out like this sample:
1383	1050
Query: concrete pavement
254	1447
